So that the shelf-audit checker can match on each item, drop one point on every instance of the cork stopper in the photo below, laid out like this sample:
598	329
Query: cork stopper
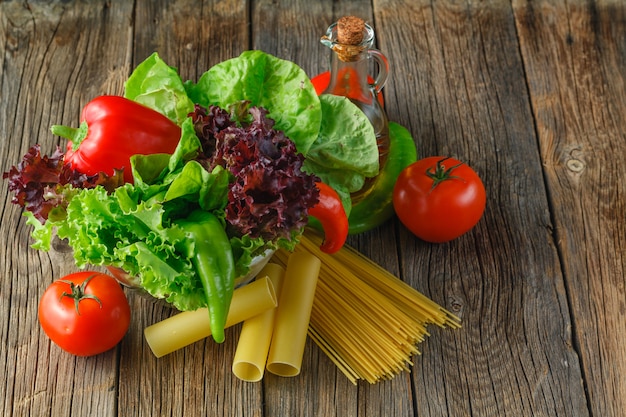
350	30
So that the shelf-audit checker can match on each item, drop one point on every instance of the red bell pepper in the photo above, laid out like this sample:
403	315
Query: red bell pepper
112	130
330	213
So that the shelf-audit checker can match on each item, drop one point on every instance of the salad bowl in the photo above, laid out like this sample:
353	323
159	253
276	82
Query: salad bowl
134	282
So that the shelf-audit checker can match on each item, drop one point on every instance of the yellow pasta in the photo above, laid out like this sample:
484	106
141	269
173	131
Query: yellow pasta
365	319
293	314
188	327
256	334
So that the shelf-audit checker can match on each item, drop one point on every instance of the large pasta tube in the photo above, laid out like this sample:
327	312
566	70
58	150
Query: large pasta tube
256	334
293	314
188	327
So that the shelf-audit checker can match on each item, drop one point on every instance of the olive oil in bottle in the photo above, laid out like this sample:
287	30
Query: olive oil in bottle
351	42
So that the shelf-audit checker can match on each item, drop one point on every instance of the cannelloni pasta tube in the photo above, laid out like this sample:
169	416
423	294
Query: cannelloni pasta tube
188	327
368	321
256	334
293	314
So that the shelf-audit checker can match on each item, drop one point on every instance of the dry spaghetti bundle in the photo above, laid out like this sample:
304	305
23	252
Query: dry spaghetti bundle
364	318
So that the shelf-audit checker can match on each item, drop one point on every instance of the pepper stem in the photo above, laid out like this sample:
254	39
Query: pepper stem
75	134
77	292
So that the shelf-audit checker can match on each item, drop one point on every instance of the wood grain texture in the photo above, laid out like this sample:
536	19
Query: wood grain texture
531	94
504	277
54	59
577	90
191	35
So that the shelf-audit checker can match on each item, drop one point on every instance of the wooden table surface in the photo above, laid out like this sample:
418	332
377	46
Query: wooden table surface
531	94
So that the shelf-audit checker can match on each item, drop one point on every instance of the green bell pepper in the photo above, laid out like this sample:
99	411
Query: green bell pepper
209	249
377	207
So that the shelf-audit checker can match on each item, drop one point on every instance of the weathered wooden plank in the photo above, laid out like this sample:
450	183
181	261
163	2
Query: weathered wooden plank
54	59
196	381
577	93
294	34
191	35
460	87
552	112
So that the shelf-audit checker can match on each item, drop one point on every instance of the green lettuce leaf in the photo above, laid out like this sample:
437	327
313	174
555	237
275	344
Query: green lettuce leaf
154	173
156	85
194	183
280	86
345	152
120	230
41	233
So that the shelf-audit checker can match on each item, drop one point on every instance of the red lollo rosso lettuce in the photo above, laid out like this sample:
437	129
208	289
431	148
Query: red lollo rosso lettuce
270	194
43	183
208	123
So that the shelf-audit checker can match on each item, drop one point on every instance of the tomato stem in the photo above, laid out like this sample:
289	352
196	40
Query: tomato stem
441	173
78	292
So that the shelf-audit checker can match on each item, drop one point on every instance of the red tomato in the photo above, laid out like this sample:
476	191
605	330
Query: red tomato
321	81
438	198
85	313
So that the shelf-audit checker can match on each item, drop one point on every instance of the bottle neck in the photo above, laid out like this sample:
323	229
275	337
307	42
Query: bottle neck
350	78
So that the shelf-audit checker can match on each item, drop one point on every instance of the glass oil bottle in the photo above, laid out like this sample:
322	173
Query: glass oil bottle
351	42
